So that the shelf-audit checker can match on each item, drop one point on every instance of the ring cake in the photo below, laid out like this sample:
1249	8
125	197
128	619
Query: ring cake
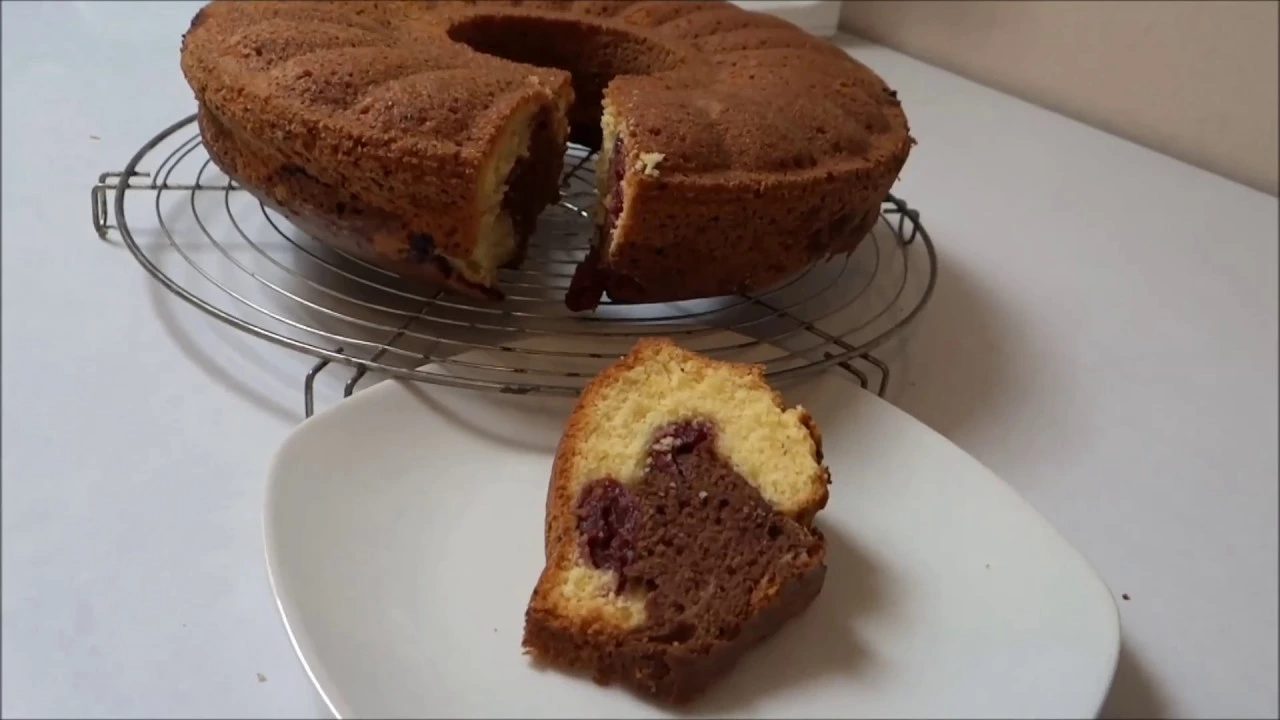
679	527
427	137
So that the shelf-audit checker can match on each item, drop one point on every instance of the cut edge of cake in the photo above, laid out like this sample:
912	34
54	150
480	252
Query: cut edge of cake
518	171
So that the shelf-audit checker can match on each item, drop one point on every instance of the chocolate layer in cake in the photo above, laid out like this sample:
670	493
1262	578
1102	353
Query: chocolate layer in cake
699	541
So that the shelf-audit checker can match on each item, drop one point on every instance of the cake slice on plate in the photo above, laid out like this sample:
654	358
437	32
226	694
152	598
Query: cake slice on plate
679	523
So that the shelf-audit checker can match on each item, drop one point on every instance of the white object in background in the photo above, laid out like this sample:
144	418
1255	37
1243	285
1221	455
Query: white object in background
820	17
404	533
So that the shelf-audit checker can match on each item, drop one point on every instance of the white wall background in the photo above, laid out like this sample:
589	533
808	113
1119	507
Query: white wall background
1194	80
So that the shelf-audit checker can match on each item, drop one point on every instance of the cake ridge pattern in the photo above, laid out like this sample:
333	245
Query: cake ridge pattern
777	148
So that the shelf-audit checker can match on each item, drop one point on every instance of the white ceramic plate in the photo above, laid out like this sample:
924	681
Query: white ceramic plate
404	535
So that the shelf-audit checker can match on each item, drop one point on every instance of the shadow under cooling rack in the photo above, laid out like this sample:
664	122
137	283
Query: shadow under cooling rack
215	246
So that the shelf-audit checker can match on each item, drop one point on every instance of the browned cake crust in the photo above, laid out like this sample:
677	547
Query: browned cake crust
662	579
327	213
742	148
374	131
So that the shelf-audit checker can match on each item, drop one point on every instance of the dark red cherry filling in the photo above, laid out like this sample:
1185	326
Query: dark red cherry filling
677	439
609	513
608	520
693	535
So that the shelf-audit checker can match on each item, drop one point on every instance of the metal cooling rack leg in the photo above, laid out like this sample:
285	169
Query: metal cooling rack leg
870	359
884	370
905	212
862	377
348	389
309	384
99	200
309	387
846	365
99	204
881	386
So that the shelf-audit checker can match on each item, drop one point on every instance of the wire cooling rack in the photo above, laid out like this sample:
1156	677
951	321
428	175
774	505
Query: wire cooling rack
212	244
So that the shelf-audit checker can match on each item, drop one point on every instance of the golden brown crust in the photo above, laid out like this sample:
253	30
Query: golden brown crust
775	148
367	97
324	212
587	638
752	188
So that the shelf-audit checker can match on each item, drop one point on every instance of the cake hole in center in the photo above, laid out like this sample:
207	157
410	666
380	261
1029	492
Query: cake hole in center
591	52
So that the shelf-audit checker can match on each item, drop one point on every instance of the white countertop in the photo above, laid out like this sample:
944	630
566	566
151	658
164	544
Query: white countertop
1104	336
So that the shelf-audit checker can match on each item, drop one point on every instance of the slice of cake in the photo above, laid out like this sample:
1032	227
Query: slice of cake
679	523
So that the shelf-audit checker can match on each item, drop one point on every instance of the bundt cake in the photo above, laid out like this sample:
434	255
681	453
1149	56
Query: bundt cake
426	137
679	526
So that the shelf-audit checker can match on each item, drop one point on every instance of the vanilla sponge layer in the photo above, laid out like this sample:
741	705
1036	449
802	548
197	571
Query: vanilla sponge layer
771	447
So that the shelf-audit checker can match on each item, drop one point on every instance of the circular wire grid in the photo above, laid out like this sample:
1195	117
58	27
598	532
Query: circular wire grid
215	246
